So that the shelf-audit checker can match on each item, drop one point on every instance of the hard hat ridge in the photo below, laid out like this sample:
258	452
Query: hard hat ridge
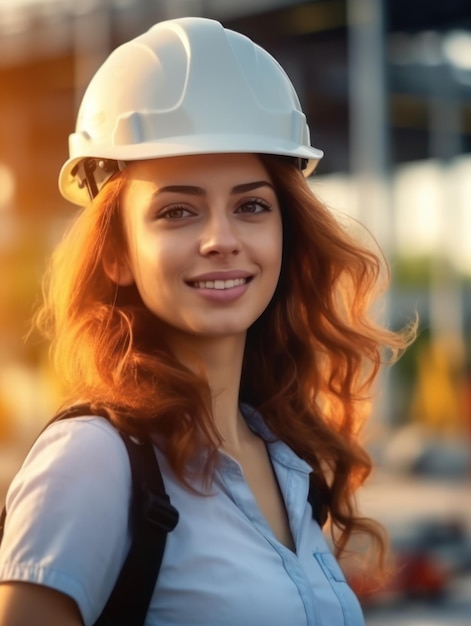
186	86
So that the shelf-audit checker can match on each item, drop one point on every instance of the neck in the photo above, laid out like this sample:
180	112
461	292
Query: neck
221	360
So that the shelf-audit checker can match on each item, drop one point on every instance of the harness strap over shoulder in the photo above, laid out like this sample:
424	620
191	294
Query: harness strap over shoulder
153	517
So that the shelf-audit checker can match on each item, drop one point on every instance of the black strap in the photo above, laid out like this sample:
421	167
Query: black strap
319	498
153	517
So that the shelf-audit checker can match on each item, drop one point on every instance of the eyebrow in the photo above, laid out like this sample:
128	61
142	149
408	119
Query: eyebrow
199	191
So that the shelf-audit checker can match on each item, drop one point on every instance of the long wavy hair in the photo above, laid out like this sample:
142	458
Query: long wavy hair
310	359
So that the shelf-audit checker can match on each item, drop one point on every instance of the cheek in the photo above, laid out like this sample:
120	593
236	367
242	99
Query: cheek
161	260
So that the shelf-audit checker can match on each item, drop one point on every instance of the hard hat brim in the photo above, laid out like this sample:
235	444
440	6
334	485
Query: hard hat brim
184	146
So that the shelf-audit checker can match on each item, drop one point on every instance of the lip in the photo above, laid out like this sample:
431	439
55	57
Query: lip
223	296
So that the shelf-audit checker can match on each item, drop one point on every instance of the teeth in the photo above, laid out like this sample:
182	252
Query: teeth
220	284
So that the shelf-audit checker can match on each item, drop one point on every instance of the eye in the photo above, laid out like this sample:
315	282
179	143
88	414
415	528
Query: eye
174	213
254	206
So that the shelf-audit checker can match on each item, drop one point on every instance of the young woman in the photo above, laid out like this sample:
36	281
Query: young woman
205	297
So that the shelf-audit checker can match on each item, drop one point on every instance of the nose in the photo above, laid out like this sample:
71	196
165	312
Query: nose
220	236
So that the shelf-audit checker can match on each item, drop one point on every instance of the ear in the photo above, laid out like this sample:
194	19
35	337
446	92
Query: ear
118	270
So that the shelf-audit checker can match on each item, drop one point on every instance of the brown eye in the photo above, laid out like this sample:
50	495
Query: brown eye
254	206
175	213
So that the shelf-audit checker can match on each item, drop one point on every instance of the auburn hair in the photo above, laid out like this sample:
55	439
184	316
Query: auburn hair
309	364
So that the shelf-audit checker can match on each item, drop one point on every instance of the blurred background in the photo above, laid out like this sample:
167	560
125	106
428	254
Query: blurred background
386	85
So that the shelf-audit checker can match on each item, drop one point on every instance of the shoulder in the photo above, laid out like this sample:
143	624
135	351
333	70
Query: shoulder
75	463
86	435
79	446
67	522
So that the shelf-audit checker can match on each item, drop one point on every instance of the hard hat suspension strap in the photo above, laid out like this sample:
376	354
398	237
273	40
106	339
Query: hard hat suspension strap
93	173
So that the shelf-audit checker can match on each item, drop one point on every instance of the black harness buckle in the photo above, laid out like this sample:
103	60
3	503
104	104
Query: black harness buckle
157	510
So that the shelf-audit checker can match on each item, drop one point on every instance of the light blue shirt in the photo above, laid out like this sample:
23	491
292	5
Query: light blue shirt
67	527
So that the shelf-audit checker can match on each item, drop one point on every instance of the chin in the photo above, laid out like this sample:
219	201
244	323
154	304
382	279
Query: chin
220	333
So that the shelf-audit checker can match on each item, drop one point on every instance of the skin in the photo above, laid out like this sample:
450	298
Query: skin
220	215
24	604
188	217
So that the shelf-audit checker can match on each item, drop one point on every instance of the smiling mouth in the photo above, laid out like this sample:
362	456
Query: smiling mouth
220	284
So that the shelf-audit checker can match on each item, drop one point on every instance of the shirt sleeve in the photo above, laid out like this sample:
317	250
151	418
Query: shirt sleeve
67	523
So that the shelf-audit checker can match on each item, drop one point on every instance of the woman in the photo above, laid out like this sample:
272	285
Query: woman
206	297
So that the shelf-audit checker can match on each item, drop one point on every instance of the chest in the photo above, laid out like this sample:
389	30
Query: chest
223	564
261	479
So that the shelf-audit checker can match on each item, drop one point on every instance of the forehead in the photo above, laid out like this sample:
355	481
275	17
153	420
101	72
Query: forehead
204	169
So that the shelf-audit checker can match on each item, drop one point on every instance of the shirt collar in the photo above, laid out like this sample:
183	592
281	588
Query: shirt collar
279	450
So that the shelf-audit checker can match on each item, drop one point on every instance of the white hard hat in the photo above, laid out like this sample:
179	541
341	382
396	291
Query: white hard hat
186	86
